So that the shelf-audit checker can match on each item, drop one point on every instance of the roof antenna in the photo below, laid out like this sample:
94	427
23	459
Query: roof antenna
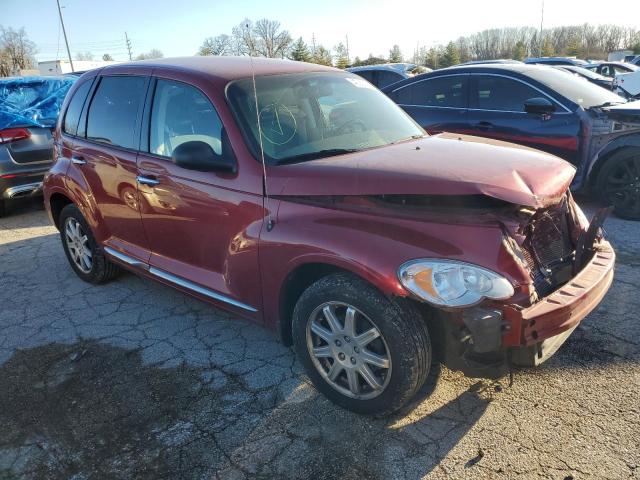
270	221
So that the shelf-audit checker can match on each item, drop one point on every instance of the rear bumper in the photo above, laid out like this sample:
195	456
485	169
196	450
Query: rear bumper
21	186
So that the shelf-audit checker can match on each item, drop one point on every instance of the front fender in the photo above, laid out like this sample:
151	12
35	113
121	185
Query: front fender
371	246
624	141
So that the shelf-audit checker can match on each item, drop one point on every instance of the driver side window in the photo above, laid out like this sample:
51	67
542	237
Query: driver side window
181	113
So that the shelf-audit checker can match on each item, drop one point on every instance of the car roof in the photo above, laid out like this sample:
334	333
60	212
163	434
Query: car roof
495	68
396	67
226	68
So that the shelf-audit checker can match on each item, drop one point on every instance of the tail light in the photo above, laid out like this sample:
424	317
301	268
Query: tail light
13	134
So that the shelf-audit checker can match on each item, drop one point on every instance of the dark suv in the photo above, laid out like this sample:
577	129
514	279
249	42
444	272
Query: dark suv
29	110
541	107
302	198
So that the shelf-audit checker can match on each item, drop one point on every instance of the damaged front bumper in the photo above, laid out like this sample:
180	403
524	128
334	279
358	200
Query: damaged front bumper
548	323
483	341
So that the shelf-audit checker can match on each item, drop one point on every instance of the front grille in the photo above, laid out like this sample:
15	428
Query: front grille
548	249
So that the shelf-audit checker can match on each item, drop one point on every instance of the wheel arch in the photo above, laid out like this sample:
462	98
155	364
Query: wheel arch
304	275
612	149
57	202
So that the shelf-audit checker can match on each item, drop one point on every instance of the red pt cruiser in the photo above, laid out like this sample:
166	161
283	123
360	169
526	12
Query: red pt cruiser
302	198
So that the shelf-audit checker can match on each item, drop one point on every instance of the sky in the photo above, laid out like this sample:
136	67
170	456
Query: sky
178	28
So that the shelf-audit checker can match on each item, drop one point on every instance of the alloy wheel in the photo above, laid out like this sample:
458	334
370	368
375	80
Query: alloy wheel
348	350
622	185
78	245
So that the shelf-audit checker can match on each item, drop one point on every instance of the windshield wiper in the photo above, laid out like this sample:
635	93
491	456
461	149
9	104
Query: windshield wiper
329	152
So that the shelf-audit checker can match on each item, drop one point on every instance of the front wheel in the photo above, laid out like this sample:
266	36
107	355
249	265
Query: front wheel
618	183
363	351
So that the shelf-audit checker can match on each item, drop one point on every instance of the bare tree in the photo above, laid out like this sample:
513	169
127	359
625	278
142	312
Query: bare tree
107	58
219	45
84	56
244	38
16	50
151	54
271	42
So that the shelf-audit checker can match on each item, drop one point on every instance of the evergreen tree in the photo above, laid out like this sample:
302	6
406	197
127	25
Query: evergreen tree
322	56
300	51
357	62
573	47
451	55
547	48
395	55
520	51
341	56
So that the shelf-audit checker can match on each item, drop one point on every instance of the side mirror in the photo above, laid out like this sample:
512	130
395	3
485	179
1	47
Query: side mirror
539	106
198	155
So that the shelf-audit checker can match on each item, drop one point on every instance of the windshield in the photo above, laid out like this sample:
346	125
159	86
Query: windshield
313	115
584	73
576	89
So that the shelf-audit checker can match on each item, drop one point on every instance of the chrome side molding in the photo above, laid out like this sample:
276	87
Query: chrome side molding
126	258
181	282
199	289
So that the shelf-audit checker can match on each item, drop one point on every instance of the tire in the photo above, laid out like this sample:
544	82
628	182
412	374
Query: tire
100	269
404	343
618	183
3	208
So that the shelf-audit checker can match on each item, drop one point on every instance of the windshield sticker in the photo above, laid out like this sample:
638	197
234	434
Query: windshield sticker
277	123
360	83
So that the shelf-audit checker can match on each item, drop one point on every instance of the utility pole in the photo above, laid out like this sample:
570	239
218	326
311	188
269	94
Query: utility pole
64	31
348	56
128	42
313	43
541	21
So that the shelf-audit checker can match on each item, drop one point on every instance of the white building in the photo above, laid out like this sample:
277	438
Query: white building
59	67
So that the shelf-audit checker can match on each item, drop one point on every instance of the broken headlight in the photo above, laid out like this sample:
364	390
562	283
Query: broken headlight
449	283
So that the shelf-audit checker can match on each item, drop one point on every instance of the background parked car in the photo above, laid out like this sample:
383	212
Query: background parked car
628	84
489	62
611	69
556	61
589	75
388	73
543	108
29	110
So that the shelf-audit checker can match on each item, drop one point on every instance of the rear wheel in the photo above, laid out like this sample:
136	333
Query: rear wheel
363	351
618	183
3	207
83	252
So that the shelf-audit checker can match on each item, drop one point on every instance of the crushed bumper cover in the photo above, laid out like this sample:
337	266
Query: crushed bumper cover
548	323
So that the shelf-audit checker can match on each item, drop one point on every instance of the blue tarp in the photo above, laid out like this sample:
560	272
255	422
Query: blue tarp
32	101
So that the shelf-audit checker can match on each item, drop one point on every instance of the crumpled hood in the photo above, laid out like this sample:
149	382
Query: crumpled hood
629	111
445	164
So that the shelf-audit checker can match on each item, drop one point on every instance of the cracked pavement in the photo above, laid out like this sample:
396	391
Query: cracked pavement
133	379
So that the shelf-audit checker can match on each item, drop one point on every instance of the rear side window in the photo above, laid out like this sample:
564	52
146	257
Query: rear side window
449	91
72	116
113	114
387	78
181	113
504	94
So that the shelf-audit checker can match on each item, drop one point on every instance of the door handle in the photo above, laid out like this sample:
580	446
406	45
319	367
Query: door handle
484	126
142	180
78	160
